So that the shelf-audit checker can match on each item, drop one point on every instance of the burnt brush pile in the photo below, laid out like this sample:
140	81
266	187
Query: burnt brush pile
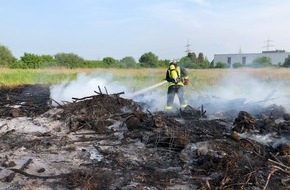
107	142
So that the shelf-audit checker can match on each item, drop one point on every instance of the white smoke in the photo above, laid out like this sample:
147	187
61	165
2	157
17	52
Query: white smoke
84	85
153	97
231	87
245	88
154	100
251	92
267	139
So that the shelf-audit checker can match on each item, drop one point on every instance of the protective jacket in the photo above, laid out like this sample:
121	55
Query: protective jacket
176	75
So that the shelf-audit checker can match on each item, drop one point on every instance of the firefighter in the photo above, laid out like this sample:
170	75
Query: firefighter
176	77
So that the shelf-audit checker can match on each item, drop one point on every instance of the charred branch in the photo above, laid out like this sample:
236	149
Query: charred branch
10	177
38	176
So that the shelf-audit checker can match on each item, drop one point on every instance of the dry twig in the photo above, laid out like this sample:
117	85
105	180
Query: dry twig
268	178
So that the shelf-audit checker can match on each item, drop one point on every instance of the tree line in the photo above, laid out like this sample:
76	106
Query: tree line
72	60
147	60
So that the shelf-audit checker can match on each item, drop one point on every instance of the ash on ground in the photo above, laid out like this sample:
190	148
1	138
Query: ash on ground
107	142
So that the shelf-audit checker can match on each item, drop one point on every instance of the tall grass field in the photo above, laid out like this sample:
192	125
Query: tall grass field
141	78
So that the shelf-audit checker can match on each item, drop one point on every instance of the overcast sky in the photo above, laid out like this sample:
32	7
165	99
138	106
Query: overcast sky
95	29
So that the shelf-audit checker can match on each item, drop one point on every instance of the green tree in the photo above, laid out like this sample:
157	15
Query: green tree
186	62
200	58
6	57
149	60
93	64
109	62
238	65
48	60
31	61
205	64
192	57
220	65
18	64
262	62
163	63
69	60
287	62
212	64
129	62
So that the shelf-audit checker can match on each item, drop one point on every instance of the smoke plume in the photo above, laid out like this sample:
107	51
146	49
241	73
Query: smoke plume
232	88
84	85
231	93
234	91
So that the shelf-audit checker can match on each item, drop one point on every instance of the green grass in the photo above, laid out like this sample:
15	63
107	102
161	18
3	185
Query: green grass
18	76
138	78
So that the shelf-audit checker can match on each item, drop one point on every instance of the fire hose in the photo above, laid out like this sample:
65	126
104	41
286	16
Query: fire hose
146	89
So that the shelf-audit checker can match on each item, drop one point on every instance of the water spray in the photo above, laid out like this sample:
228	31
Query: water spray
142	91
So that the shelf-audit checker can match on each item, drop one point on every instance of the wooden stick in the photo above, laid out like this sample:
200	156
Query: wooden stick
280	164
91	139
275	157
281	169
117	94
86	97
12	175
268	178
42	177
56	103
100	90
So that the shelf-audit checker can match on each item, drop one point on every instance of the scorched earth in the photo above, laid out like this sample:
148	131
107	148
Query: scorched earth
105	141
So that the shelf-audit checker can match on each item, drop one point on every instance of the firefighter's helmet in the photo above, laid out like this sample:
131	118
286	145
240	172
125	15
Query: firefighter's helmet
173	62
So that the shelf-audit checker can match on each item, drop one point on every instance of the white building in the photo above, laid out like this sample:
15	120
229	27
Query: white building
277	57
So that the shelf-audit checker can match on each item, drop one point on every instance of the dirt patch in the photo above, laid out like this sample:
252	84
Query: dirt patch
108	142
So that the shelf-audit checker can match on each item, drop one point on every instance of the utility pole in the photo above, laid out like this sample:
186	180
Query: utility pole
187	47
268	44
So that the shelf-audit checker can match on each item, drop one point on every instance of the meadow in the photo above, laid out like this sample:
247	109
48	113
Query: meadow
139	78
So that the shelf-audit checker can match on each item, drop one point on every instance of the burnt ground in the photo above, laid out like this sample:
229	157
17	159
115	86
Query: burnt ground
108	142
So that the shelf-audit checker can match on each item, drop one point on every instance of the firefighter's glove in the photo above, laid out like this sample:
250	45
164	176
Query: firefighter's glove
177	80
185	82
173	80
